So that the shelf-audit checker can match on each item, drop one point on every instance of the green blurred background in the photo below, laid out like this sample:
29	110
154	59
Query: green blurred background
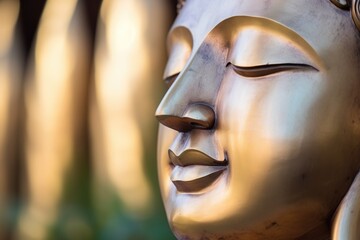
79	85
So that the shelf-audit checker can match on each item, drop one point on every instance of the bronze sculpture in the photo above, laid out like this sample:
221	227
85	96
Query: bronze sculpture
260	127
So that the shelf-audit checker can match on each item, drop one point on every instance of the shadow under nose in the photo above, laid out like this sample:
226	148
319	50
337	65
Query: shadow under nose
196	116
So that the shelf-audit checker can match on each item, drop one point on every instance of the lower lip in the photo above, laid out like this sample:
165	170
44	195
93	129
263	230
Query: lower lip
195	178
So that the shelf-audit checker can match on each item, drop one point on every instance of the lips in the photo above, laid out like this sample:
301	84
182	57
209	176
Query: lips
195	170
195	178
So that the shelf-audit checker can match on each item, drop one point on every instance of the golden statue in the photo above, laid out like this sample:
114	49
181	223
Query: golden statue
260	128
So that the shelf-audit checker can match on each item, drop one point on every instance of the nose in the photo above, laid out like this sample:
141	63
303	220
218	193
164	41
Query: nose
196	116
189	103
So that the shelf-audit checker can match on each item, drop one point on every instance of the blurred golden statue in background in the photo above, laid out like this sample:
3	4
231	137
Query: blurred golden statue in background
260	128
76	139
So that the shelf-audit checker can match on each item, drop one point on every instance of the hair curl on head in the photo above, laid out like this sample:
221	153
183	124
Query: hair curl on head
353	6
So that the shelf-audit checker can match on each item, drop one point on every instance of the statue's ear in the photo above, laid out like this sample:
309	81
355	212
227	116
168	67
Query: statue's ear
346	225
353	6
355	12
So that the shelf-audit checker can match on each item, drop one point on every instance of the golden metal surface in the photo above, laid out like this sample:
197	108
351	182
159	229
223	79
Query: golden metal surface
260	128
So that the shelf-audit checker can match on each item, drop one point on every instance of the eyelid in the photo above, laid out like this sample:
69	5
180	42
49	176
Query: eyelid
266	52
269	69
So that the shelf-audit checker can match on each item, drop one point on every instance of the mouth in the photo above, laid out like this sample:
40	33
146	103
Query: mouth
195	178
194	171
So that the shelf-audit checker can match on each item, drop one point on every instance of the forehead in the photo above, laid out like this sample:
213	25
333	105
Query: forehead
319	22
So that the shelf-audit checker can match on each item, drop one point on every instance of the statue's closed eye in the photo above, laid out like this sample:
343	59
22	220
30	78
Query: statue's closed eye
257	52
257	47
256	71
268	69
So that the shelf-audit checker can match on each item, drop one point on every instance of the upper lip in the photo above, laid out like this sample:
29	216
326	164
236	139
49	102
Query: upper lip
195	157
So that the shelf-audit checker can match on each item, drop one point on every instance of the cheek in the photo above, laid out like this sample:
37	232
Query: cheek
264	123
275	109
283	135
279	108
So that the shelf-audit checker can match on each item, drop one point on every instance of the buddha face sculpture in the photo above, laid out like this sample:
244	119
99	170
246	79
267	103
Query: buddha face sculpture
260	128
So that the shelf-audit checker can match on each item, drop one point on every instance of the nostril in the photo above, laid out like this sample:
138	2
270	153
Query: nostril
200	116
199	124
196	116
194	124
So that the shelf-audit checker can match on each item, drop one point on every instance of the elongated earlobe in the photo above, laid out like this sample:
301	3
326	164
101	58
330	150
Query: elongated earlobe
347	218
355	12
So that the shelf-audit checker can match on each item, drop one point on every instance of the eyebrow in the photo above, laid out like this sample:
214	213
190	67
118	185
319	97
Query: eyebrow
230	27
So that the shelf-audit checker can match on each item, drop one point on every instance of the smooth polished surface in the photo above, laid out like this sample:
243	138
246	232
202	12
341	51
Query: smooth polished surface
260	127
